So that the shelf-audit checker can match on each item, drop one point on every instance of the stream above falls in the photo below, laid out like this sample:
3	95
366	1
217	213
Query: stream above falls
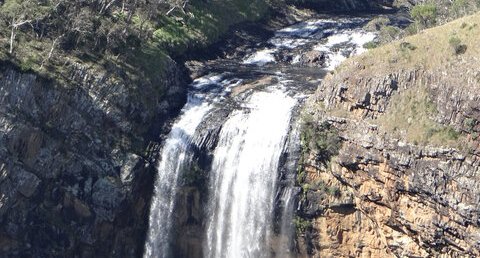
226	175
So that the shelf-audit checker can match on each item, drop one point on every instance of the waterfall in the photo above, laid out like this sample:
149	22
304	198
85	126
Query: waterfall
176	156
244	175
253	144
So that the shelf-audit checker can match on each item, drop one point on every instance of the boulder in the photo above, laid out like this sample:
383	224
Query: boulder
313	58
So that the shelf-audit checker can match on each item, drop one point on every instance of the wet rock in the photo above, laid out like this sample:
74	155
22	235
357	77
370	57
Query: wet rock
107	196
283	56
313	58
127	170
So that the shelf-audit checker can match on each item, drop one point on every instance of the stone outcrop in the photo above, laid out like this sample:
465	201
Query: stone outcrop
77	159
383	195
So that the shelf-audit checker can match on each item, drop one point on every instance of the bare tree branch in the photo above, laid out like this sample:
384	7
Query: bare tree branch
14	26
54	43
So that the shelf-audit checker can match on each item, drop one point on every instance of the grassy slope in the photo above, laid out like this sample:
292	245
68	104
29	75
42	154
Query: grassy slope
206	23
172	36
410	112
433	50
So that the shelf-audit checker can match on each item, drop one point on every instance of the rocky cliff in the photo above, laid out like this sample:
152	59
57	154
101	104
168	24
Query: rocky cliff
77	160
404	178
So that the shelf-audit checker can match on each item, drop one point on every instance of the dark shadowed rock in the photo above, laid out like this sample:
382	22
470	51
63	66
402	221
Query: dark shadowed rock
107	197
26	182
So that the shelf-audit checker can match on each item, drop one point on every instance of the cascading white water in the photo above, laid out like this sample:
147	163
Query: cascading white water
244	175
175	157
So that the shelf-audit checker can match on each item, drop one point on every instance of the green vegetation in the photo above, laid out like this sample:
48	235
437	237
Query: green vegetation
370	45
440	59
432	49
425	15
390	33
320	186
460	8
333	191
406	46
386	32
301	224
133	36
322	139
432	12
377	24
411	114
456	45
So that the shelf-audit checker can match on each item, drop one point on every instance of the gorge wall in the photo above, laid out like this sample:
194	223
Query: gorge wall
77	160
404	180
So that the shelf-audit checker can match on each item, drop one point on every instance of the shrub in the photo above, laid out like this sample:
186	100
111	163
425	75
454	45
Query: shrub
425	15
301	224
470	124
457	46
321	138
411	29
370	45
334	191
407	46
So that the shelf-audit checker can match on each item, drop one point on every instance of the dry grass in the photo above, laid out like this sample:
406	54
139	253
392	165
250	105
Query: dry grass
411	113
411	116
433	50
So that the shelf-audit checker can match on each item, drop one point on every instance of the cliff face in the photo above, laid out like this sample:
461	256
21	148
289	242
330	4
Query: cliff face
405	180
77	160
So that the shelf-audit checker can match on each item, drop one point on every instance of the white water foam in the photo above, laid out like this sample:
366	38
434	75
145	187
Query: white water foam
175	156
261	57
244	175
353	41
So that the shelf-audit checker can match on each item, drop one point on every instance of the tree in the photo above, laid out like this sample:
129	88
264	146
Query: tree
425	15
21	13
14	13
